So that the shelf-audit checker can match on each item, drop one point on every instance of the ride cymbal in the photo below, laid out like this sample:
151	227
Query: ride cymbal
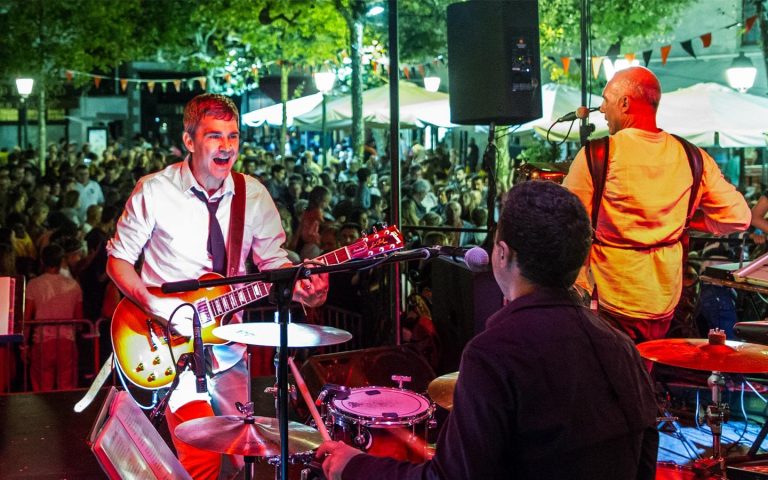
701	354
267	334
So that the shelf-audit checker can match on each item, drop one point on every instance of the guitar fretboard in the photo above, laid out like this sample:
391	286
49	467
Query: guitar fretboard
242	296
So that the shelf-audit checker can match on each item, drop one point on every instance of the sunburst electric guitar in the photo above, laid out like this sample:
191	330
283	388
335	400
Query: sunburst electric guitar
142	347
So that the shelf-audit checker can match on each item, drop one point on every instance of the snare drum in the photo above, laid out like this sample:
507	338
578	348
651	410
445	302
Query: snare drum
383	421
672	471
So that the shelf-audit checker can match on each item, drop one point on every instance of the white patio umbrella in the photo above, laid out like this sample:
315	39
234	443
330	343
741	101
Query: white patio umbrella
273	114
558	100
710	114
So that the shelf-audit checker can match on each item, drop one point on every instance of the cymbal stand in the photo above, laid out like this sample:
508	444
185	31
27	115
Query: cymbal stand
717	414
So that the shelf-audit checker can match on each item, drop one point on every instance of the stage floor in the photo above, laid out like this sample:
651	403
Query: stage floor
41	437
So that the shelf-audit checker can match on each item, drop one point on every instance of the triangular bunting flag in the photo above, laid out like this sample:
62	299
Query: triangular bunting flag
665	53
151	86
749	23
97	81
552	59
190	84
374	66
630	57
578	62
706	40
123	84
255	72
688	47
647	54
177	85
596	62
421	71
69	76
164	86
566	63
613	50
202	81
407	73
227	77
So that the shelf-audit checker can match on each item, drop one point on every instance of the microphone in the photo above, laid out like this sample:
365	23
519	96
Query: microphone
581	112
198	353
476	258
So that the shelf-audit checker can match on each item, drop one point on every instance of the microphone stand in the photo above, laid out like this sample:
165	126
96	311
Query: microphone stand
585	128
282	280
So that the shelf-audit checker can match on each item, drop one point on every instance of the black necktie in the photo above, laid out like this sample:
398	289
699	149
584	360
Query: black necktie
216	247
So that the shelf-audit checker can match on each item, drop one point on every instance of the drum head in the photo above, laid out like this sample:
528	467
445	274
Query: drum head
672	471
383	406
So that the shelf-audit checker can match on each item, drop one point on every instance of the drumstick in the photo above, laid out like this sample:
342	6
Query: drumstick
308	400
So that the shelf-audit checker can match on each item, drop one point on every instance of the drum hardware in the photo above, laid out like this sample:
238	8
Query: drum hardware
717	355
400	379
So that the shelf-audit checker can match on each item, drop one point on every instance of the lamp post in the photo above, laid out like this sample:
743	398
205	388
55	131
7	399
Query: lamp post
24	87
324	82
741	74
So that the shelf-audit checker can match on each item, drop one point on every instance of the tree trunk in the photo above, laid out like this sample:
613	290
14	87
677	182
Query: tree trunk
356	47
42	133
284	72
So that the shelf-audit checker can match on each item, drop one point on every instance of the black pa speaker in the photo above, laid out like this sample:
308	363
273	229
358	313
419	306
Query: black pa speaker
494	69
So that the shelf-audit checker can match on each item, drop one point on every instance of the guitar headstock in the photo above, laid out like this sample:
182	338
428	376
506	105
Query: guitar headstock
381	240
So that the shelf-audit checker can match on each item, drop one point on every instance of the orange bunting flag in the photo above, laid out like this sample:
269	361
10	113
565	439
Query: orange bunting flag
97	81
177	85
749	23
407	73
421	71
596	63
227	77
255	72
566	63
706	40
123	84
201	81
665	53
629	57
374	66
69	75
151	87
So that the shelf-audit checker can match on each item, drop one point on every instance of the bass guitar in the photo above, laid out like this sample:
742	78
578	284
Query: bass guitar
145	353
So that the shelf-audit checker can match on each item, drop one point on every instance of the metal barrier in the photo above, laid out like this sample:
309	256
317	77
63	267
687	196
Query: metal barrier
67	341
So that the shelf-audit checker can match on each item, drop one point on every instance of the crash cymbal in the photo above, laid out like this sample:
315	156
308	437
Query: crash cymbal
700	354
268	334
249	436
441	389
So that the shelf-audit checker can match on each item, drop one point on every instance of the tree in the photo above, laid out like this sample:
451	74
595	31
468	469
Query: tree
42	38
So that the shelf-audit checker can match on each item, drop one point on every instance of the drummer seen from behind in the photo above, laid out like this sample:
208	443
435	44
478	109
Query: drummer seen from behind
166	220
547	390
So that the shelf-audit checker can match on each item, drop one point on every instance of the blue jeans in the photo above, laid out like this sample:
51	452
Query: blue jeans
718	306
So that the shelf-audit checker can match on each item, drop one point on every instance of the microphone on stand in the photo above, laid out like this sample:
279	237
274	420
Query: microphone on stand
198	353
476	258
579	113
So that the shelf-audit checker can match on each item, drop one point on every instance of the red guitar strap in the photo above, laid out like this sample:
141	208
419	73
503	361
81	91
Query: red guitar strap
236	225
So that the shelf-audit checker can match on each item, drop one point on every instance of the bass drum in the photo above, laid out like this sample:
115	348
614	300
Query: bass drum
383	421
673	471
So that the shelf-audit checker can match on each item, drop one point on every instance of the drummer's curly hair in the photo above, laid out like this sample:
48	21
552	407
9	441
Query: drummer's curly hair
215	105
549	230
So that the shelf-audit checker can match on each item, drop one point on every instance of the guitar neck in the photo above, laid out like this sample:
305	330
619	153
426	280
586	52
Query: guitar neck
239	298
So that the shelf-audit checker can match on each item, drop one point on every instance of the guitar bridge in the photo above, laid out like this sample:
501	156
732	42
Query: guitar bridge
151	337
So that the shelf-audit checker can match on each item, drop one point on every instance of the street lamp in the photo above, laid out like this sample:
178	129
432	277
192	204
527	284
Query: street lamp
741	74
432	84
24	87
324	83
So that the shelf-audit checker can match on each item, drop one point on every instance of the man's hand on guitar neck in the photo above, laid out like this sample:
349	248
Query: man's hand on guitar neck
311	291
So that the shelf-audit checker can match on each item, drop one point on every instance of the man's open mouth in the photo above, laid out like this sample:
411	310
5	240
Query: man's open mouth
221	160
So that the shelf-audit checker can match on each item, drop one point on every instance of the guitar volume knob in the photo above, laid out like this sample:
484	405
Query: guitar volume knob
140	367
156	361
168	372
151	377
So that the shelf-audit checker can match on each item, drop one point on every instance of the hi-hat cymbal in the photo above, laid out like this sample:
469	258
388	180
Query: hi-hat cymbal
441	389
236	435
700	354
268	334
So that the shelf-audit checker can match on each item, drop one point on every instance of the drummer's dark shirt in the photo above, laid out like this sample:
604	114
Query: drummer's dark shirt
547	391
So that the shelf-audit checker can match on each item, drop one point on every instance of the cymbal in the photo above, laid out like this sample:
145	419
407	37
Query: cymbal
235	435
268	334
700	354
441	389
